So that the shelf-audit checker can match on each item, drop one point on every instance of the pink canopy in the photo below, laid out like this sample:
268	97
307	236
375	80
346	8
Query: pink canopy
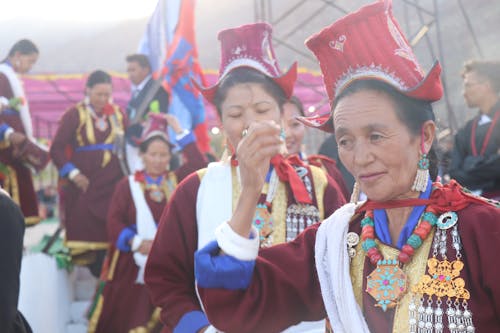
50	95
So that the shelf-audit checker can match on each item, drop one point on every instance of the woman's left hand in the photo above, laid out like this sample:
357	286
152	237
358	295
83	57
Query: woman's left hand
145	247
260	143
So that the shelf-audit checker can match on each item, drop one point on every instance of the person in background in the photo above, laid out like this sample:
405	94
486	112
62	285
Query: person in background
134	211
16	127
475	161
330	149
248	96
85	153
294	138
417	256
148	96
11	253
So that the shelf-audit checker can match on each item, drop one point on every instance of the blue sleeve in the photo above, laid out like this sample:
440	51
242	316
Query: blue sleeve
212	270
185	140
123	241
3	128
66	169
191	322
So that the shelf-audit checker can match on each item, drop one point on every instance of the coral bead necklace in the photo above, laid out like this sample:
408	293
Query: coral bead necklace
388	283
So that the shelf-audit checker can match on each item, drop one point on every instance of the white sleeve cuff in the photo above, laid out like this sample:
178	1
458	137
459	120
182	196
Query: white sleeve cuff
211	329
7	133
136	243
73	173
4	101
235	245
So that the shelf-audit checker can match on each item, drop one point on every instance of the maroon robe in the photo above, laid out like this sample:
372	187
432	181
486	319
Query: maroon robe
22	182
331	169
170	268
285	288
125	304
84	213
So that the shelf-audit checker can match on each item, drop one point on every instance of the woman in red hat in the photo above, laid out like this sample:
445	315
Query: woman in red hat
295	132
417	256
135	209
287	195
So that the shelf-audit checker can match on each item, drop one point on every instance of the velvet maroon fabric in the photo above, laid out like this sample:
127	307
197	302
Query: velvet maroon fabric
330	166
27	195
84	212
170	269
285	289
116	315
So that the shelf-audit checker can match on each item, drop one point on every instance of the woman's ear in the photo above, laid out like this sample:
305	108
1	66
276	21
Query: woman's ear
428	135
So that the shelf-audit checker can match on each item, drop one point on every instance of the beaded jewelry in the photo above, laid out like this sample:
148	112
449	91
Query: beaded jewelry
299	216
387	283
443	281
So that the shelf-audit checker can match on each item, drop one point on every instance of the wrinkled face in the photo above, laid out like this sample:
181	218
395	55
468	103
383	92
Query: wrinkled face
23	63
244	104
475	88
156	158
294	129
99	95
375	146
136	73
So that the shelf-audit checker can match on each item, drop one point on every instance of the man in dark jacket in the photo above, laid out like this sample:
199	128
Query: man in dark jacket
148	95
476	155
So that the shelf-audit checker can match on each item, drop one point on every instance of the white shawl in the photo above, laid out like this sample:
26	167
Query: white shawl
146	226
18	91
332	265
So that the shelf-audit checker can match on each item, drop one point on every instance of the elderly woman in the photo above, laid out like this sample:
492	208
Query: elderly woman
84	151
249	96
135	209
416	257
295	132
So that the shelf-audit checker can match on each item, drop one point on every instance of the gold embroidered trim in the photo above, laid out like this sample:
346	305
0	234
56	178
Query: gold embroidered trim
414	270
319	182
112	266
82	246
150	325
86	120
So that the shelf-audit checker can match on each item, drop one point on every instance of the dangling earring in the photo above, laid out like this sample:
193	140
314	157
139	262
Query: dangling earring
86	100
422	177
355	193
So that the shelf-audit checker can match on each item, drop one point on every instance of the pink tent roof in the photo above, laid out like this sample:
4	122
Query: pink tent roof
50	95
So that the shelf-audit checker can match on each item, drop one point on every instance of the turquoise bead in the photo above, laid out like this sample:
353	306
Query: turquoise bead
368	244
367	221
414	241
430	217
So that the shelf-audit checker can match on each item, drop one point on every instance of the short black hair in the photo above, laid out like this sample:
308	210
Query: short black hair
23	46
97	77
141	59
248	75
488	69
298	104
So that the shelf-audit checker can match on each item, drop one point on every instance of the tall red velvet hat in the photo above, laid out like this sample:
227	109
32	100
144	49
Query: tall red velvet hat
369	45
250	46
156	125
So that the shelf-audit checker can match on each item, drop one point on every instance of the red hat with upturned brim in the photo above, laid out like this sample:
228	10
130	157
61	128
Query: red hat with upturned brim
250	46
369	45
156	125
